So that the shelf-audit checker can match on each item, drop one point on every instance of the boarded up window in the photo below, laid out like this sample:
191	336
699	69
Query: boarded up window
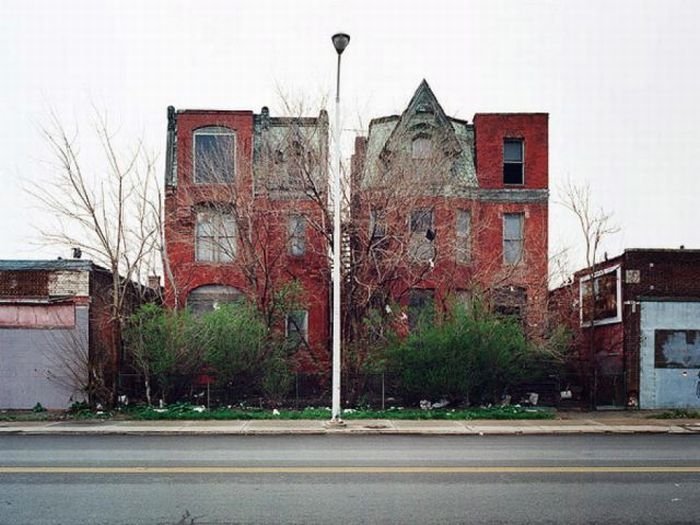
677	348
37	316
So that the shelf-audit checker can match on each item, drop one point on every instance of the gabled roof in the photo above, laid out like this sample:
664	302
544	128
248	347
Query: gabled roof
424	114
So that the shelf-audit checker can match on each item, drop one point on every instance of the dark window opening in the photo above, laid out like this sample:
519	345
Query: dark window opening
513	161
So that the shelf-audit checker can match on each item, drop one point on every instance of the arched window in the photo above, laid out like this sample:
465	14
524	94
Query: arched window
214	155
208	297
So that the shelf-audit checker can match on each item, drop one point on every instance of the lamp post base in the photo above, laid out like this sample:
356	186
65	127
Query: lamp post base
335	422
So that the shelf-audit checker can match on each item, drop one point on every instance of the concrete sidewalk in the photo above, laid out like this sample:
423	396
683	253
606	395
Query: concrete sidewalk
593	424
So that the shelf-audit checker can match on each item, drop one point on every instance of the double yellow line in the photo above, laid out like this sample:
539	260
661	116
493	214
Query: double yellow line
355	470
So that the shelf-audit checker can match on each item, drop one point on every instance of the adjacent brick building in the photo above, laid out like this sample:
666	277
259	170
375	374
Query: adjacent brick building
637	321
54	318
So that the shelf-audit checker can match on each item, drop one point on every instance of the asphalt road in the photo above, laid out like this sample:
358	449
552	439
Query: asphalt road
350	479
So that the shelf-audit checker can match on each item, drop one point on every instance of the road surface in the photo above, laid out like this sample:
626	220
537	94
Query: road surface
349	479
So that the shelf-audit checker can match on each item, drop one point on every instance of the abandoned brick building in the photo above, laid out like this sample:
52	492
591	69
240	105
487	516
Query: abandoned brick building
637	321
448	208
54	319
245	215
438	207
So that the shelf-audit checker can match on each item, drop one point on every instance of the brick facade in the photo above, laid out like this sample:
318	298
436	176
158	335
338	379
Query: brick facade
468	210
607	360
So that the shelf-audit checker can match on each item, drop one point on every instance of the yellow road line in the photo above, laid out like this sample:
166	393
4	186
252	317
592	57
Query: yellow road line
353	470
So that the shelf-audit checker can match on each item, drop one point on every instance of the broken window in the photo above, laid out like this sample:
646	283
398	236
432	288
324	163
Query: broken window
421	308
463	236
209	297
513	237
422	235
510	301
377	224
215	236
214	155
677	348
297	235
513	161
297	327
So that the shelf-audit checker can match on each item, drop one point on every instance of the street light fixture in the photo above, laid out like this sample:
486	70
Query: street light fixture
340	42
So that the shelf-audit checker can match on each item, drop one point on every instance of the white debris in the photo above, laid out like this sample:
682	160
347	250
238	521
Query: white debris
275	412
441	404
199	409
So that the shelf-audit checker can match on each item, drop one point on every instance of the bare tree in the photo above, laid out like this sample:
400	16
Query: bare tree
112	214
596	225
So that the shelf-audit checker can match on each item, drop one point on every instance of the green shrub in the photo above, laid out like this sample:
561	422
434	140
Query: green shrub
472	356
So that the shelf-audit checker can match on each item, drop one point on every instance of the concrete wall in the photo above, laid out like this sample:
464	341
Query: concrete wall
667	387
34	364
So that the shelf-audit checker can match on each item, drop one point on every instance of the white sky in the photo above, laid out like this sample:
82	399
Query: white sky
617	79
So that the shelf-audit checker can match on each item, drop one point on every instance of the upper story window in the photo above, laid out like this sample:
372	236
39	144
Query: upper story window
421	148
421	246
513	237
215	236
214	155
513	156
296	226
463	236
377	224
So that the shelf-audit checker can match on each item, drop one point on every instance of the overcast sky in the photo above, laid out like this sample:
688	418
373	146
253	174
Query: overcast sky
620	81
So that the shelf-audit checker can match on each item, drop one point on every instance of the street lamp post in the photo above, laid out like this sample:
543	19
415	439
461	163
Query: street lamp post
340	42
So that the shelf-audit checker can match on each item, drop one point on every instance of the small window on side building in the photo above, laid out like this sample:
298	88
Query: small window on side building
513	172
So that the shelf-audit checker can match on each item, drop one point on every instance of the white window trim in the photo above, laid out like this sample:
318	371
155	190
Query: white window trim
233	236
610	320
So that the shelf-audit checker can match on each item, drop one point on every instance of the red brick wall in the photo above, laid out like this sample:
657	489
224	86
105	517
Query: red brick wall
269	232
492	128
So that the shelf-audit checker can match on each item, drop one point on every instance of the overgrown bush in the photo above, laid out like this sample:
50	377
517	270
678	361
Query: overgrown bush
164	346
471	356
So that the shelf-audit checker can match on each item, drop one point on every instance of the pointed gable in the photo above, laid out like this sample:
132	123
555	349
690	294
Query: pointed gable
423	118
423	133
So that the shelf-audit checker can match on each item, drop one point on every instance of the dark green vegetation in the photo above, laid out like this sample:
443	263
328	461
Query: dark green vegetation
465	355
184	411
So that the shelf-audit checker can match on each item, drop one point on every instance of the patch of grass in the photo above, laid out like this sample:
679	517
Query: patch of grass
186	411
189	412
677	413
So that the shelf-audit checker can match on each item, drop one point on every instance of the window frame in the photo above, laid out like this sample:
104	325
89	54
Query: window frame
214	131
520	239
463	241
509	162
304	329
218	254
296	238
421	147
